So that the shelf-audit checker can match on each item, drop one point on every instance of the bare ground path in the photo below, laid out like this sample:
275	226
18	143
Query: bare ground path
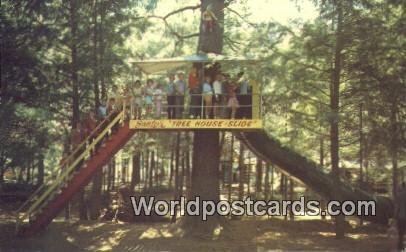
249	234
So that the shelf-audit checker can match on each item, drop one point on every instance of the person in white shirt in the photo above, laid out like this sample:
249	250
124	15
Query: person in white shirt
207	94
180	89
158	92
218	96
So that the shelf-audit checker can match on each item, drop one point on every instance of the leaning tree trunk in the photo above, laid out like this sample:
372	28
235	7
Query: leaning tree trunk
206	147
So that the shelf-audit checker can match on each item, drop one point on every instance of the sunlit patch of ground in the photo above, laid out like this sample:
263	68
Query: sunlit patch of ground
248	234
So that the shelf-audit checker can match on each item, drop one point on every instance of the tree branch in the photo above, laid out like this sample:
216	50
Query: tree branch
171	30
241	17
181	10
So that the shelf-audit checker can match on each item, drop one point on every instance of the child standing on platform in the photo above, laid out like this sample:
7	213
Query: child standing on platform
232	99
207	93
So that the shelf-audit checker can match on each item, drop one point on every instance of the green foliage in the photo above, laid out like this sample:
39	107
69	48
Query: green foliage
372	75
36	70
37	90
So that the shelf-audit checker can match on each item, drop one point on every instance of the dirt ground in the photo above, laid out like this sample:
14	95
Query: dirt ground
250	234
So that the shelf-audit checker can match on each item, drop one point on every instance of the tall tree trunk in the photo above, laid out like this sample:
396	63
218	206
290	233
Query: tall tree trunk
82	205
322	200
28	173
267	169
41	168
272	181
205	183
285	191
96	199
241	172
75	86
98	178
171	167
157	168
361	151
151	169
95	56
282	184
2	170
146	169
394	147
248	172
230	171
258	182
334	107
176	173
206	148
188	168
182	175
135	176
101	54
291	197
73	66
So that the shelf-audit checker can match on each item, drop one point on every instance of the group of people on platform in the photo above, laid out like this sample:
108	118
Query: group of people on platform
206	96
216	95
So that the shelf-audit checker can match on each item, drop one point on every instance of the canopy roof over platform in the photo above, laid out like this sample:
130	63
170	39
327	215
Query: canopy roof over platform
166	64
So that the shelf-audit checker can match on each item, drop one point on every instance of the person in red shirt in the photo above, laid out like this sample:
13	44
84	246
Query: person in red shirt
194	91
193	80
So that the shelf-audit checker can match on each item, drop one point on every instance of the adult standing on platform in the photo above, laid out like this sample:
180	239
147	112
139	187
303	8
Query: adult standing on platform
137	100
194	91
243	97
218	96
170	96
180	88
401	215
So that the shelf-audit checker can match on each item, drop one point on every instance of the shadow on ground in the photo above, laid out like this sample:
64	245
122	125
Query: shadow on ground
249	234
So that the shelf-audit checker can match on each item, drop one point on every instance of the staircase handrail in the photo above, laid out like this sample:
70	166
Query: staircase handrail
65	173
64	162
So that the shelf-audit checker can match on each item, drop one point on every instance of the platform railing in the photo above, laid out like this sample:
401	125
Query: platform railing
136	107
67	168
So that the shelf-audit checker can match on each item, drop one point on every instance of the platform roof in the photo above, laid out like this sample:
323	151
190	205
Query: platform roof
167	64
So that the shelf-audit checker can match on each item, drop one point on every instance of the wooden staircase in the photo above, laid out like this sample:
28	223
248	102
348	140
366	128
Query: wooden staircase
74	173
